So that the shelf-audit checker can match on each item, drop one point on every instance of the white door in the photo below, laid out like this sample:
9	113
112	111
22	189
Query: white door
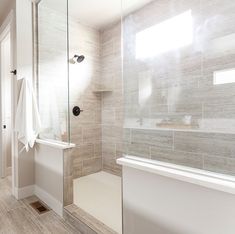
6	102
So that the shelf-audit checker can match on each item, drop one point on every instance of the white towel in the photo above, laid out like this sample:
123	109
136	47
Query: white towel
27	121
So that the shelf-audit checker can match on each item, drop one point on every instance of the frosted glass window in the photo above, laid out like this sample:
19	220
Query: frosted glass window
166	36
224	77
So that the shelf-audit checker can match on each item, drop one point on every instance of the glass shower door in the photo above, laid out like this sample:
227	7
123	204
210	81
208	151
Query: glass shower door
53	69
179	67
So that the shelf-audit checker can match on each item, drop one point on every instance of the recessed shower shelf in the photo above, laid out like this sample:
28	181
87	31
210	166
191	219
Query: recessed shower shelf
102	90
180	130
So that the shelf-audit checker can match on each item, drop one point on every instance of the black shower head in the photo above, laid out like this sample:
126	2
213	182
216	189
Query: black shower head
77	59
80	58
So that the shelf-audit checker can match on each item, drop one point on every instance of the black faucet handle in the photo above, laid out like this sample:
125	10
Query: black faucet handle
77	111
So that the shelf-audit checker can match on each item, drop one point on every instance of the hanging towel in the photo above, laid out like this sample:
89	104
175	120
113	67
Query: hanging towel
27	121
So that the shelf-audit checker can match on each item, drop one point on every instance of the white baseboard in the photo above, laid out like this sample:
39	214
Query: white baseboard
21	193
53	203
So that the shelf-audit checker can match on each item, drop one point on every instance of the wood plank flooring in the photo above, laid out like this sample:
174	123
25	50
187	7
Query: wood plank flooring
20	218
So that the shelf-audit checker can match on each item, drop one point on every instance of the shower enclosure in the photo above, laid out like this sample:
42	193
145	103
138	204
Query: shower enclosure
80	102
150	79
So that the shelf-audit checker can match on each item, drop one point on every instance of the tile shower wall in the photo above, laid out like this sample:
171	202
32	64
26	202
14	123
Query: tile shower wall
84	78
174	111
85	129
112	102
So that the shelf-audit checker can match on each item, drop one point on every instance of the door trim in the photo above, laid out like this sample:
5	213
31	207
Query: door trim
8	26
4	38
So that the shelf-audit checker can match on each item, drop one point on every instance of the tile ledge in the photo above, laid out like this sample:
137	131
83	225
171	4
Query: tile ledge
56	144
179	130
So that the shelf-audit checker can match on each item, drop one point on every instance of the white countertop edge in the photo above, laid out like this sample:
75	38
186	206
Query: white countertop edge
203	178
56	144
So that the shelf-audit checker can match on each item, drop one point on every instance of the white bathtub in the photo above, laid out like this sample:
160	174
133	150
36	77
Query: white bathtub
168	199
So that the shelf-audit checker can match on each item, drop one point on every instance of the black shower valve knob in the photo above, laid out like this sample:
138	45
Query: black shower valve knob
77	111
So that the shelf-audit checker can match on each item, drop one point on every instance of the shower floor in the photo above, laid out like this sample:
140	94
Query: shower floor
99	194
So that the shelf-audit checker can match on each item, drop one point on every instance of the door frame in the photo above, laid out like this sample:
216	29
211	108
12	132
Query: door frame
8	27
5	35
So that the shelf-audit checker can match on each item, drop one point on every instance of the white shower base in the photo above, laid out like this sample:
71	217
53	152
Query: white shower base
99	195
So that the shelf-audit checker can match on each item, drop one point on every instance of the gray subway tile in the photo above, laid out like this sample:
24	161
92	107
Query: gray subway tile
177	157
206	143
152	137
219	164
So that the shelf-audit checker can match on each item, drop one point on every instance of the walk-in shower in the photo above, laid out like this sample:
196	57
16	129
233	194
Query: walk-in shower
151	79
80	69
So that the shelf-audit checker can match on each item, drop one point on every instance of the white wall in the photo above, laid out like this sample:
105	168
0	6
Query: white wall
156	204
24	50
49	176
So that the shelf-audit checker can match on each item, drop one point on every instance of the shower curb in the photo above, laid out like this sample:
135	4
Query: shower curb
84	222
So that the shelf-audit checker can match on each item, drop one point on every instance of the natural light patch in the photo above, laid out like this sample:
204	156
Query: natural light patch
168	35
224	77
145	88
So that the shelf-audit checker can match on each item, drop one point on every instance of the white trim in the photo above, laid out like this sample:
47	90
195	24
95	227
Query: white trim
220	182
56	144
53	203
21	193
8	26
5	36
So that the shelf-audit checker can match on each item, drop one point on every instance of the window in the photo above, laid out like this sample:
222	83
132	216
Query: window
168	35
224	77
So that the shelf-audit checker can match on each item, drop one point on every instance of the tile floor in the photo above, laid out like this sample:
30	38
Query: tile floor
19	216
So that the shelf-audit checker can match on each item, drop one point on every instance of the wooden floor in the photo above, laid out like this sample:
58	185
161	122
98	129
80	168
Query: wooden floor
20	217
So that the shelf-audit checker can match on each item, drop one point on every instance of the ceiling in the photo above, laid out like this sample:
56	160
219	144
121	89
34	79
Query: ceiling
4	4
96	13
101	13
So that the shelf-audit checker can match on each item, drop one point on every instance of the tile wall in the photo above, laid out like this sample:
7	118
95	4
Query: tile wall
97	132
84	130
112	102
180	86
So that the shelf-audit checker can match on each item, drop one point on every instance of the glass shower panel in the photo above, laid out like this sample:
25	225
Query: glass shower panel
53	69
179	85
95	87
